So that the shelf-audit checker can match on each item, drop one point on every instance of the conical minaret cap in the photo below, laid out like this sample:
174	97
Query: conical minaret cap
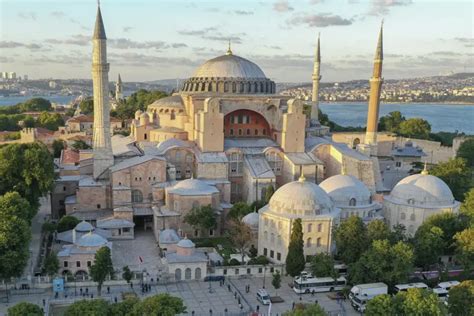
379	51
99	30
317	57
119	80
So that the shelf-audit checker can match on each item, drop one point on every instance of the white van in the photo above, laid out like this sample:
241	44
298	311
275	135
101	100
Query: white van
360	294
263	297
442	289
405	287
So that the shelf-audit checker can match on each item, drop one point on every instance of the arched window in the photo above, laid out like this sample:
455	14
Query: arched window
352	202
256	132
248	131
412	217
370	199
402	215
320	227
177	274
310	228
240	132
318	242
411	201
272	238
187	274
308	242
137	196
265	235
172	115
226	87
197	274
231	131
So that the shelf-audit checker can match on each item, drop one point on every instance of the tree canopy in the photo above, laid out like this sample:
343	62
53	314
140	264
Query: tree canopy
102	267
87	106
457	175
80	144
429	244
203	217
464	242
241	236
415	128
51	121
137	101
391	122
377	230
276	280
11	203
239	210
322	265
351	239
58	146
295	260
466	151
88	307
66	223
35	105
306	310
51	264
467	207
161	304
461	298
25	309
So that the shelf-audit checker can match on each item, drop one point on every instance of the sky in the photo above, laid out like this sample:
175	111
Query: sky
158	39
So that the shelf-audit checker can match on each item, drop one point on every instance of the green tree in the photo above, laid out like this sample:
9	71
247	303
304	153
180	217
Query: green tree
25	309
398	233
58	146
88	307
27	169
322	265
461	298
391	122
87	106
67	222
457	175
429	244
467	207
306	310
137	101
15	235
383	263
29	121
11	203
415	128
161	304
102	267
381	305
127	275
51	264
464	242
466	151
253	252
276	280
450	224
295	260
203	218
351	239
269	193
80	145
241	236
124	308
51	121
377	230
35	105
239	210
418	302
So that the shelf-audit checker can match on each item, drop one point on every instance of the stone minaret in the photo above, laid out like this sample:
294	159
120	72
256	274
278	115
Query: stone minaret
375	89
103	157
315	93
118	89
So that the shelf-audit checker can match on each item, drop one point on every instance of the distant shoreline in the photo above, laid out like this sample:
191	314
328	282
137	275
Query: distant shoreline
411	103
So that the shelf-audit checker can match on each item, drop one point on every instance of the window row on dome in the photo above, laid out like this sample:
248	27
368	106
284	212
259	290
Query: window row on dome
259	86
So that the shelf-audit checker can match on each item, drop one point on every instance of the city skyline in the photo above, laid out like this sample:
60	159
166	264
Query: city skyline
280	36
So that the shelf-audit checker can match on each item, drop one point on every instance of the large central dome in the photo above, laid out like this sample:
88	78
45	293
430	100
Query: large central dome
229	73
229	66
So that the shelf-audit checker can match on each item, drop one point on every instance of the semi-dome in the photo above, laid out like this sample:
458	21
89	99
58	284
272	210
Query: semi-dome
346	188
193	187
251	220
422	190
301	198
185	243
229	73
91	240
84	227
169	236
174	101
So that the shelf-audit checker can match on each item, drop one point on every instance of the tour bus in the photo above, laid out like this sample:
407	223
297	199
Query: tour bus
303	284
263	297
360	294
405	287
442	289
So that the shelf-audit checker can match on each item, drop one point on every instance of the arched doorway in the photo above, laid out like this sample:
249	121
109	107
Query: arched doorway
355	143
197	274
187	274
177	274
245	124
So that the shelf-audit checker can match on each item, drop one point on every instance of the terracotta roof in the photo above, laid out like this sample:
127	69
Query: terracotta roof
41	130
88	119
70	156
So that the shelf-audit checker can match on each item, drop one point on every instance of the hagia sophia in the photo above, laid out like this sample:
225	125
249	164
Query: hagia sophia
226	137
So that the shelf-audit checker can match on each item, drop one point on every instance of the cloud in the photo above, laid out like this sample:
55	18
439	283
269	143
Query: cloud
28	15
445	53
178	45
224	38
58	14
4	59
466	41
78	40
319	20
125	43
382	7
197	32
11	44
146	60
282	6
127	29
273	47
211	33
242	12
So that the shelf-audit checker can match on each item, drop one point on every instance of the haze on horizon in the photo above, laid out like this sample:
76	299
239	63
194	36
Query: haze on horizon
151	40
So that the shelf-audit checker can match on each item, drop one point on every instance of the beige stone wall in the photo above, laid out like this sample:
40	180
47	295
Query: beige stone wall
121	197
216	170
293	129
210	128
91	198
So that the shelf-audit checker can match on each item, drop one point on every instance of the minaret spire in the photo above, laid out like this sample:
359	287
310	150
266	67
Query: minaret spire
102	143
375	90
118	89
316	78
229	50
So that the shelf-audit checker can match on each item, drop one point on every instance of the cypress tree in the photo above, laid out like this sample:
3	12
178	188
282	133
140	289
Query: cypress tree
295	261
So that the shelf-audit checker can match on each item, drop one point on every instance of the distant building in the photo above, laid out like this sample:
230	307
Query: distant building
52	84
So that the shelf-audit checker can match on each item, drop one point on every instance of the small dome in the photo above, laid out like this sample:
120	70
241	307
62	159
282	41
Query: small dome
137	114
174	101
422	189
91	240
251	219
301	198
84	227
343	188
185	243
193	187
229	66
169	236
